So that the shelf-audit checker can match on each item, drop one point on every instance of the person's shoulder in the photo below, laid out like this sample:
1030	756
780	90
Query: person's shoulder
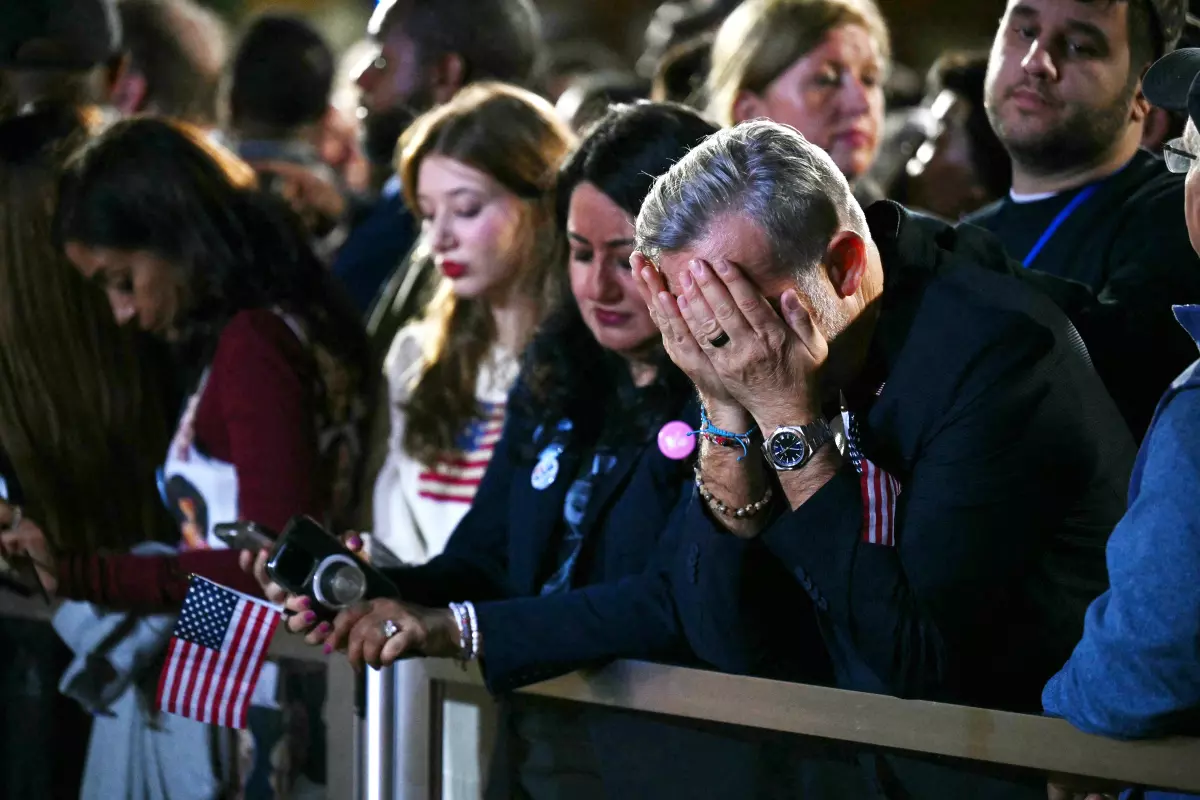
1180	410
255	335
261	325
1147	189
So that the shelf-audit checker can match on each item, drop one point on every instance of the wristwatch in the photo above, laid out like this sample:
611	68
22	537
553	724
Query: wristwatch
789	447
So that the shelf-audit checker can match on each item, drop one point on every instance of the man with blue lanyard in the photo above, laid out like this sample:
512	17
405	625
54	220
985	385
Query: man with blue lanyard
1064	95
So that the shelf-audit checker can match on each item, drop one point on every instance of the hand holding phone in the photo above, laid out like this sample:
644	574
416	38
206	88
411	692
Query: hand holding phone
308	560
244	535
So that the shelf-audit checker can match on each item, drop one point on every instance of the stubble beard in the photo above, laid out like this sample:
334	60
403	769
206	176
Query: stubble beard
1082	137
381	130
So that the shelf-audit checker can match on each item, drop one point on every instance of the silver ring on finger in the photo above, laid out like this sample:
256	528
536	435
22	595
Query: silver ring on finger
720	340
389	629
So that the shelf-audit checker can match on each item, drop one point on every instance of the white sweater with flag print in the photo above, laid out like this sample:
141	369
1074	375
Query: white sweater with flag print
417	506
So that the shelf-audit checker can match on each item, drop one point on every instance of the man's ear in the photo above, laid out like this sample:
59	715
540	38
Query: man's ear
1140	108
448	75
1158	129
846	262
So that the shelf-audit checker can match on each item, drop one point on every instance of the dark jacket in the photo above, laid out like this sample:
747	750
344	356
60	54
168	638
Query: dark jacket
1011	460
376	247
1128	245
498	556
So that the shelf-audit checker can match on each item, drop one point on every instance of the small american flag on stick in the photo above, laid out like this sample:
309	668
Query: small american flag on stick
216	654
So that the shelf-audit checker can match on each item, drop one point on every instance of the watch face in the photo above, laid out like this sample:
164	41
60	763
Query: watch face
788	450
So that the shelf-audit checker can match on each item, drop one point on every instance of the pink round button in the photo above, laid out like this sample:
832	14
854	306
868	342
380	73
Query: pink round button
674	441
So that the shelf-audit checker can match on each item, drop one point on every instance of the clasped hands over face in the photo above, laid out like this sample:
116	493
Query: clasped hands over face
771	365
358	630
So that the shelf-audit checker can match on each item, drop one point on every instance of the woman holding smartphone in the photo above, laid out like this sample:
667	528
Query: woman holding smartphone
479	172
175	232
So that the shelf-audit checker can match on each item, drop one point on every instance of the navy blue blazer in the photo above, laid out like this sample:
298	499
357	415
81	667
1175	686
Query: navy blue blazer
498	556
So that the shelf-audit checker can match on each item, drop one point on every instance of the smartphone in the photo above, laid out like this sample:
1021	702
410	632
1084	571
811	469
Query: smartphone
244	535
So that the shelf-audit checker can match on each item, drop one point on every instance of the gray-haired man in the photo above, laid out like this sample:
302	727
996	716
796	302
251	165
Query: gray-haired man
949	543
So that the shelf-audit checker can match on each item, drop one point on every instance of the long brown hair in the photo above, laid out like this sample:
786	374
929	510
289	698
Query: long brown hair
82	426
515	137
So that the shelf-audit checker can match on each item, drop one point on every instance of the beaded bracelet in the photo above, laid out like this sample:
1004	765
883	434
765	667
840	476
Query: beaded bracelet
721	508
724	438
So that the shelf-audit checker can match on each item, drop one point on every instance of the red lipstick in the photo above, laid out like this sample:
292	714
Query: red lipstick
452	269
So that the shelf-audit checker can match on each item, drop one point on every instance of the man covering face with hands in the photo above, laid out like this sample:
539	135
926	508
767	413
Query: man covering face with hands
899	437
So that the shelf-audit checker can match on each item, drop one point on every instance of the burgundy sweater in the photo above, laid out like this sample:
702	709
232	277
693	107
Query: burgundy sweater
257	413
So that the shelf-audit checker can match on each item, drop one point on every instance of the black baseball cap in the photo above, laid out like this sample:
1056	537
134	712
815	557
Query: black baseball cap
1171	82
58	34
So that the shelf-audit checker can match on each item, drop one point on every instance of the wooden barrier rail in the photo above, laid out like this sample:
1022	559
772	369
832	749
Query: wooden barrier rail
976	734
997	737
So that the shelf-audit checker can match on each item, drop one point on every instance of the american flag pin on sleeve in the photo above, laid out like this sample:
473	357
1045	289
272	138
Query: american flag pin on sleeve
216	653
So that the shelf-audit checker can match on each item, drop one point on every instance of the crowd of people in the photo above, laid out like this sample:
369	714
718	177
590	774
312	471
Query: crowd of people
750	358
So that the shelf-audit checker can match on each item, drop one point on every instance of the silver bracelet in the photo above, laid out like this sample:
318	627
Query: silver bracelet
463	622
474	630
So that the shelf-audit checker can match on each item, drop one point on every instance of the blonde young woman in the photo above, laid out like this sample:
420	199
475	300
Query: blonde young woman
479	174
817	65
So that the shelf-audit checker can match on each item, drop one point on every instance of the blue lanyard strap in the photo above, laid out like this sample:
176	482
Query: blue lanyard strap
1057	222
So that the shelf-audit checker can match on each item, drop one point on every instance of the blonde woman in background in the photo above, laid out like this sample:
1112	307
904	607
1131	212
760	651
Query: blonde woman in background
817	65
479	174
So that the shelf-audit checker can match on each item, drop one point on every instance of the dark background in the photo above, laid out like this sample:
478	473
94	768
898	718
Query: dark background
921	29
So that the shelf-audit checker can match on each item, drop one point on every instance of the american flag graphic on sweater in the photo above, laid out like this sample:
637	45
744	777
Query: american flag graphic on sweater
879	493
454	477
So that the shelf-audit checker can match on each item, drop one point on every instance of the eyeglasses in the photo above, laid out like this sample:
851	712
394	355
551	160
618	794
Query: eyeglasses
1176	156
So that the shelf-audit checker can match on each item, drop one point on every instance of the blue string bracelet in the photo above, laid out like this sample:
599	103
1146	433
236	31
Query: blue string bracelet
722	437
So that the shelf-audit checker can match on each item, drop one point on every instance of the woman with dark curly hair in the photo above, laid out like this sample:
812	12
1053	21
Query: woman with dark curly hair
561	562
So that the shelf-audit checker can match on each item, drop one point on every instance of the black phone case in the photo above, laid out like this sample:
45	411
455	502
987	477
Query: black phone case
310	537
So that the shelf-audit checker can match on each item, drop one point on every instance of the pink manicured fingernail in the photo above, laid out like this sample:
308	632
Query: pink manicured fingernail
310	617
324	628
306	602
355	543
696	267
328	649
